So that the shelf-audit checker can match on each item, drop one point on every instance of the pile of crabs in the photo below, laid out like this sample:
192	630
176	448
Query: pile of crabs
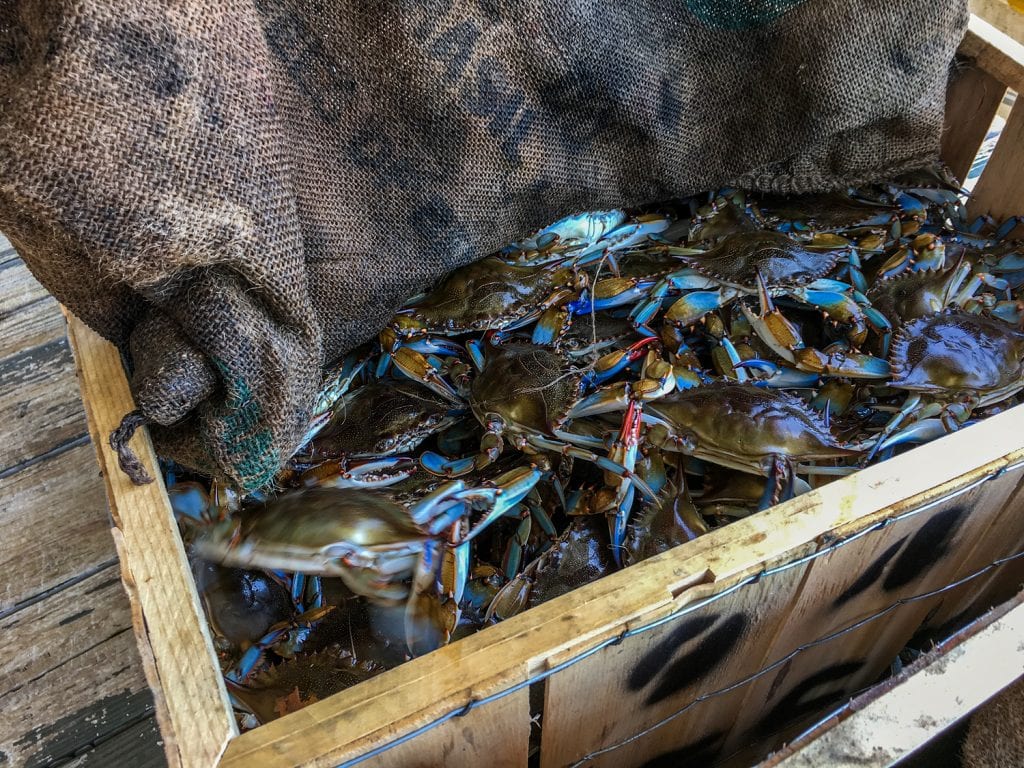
607	389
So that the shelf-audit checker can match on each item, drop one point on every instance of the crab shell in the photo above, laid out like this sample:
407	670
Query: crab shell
782	262
527	386
582	554
489	294
959	353
362	536
381	419
911	295
298	682
742	426
241	605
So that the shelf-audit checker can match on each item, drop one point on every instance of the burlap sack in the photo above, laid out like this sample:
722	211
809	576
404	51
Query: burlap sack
236	192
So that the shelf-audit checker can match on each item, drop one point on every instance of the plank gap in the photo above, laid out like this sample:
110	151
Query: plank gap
57	450
71	658
47	593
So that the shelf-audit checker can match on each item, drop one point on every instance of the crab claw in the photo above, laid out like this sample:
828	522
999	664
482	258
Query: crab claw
613	363
552	323
692	306
376	473
769	374
854	365
771	326
414	365
509	489
430	618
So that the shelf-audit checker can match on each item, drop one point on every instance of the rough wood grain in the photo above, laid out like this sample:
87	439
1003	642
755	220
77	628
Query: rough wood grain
941	690
192	704
55	631
37	403
137	746
32	326
21	289
75	705
995	52
972	100
1000	190
53	524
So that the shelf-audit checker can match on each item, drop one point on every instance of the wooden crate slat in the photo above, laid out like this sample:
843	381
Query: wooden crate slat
181	666
1004	538
995	52
917	707
1000	190
579	718
972	100
655	674
911	557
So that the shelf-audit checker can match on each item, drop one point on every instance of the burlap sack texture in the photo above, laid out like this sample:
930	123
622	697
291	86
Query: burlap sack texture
236	192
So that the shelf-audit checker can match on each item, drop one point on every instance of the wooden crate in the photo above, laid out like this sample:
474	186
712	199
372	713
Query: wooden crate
697	653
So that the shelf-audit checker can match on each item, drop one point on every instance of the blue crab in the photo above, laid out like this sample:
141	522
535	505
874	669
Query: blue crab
747	428
375	544
950	364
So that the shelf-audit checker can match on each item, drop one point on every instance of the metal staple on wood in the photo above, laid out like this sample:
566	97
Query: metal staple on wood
697	605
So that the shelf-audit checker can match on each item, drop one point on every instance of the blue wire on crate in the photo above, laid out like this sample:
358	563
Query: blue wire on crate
697	605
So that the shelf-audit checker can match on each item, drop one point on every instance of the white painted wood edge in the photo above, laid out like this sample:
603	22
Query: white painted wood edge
940	689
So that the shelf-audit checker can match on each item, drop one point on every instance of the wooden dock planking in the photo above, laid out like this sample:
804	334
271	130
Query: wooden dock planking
71	684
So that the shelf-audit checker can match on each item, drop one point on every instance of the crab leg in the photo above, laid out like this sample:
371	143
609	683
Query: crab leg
780	335
430	618
624	452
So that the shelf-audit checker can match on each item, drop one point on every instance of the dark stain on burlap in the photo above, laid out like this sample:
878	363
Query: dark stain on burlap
238	192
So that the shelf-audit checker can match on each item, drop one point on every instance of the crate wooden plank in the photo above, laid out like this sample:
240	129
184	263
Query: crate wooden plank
92	696
972	100
38	402
939	692
769	621
907	559
46	634
138	746
657	674
995	52
177	651
44	544
1000	190
1005	538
